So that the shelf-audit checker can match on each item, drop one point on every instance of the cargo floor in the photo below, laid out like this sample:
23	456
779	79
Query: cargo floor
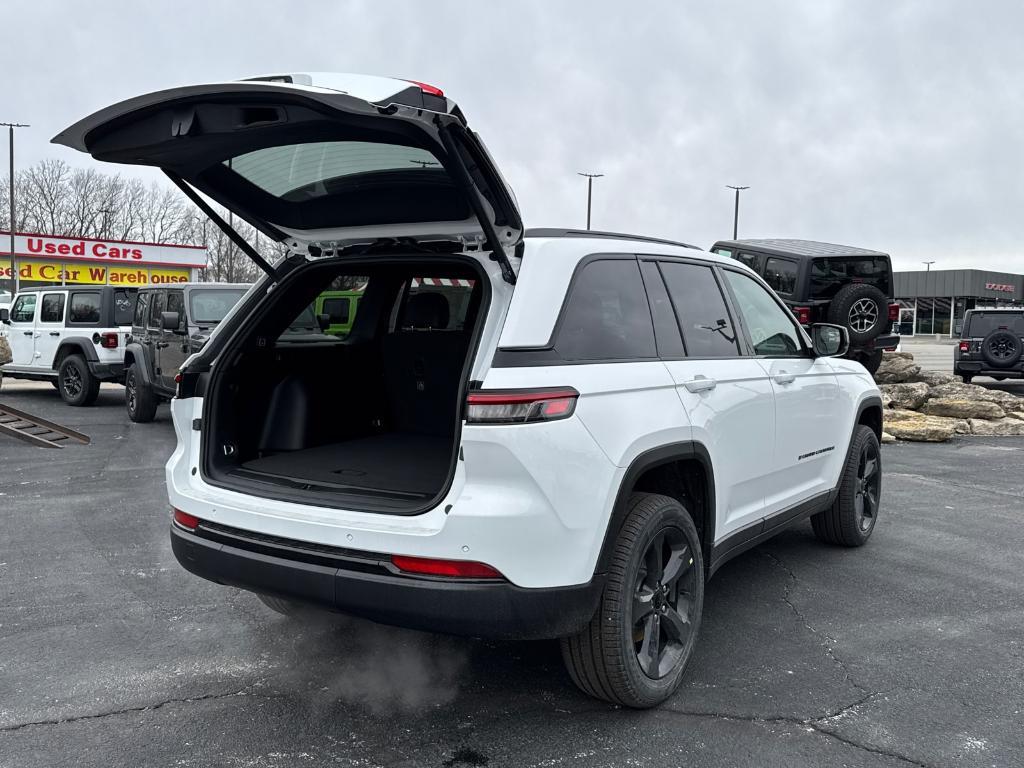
397	463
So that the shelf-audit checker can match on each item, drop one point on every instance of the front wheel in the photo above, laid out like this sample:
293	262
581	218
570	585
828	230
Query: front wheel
76	384
139	398
852	516
636	647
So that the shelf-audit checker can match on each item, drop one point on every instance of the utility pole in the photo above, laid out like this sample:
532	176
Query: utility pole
736	210
590	190
14	271
928	265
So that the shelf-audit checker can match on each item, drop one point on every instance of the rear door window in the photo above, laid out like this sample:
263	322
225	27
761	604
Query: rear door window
751	260
141	307
606	316
156	307
708	329
983	323
780	274
124	306
84	308
52	309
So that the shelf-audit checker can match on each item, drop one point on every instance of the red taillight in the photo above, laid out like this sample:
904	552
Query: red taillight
108	341
433	90
803	315
185	520
518	406
894	312
965	346
460	569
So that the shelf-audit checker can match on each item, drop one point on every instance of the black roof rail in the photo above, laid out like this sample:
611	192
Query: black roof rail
610	235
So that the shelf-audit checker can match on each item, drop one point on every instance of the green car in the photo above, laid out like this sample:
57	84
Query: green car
340	307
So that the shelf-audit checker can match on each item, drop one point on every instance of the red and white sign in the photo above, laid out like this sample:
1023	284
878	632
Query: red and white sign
106	251
1002	287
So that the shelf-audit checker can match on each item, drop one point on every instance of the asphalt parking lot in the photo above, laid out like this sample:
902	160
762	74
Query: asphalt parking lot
909	651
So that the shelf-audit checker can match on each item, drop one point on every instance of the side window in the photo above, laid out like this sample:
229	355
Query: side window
156	306
771	328
337	310
723	252
52	309
141	307
84	308
666	327
124	307
749	260
24	309
703	316
780	274
435	303
176	303
607	316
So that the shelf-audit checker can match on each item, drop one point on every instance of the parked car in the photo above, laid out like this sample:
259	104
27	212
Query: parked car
991	344
72	337
169	324
827	283
568	449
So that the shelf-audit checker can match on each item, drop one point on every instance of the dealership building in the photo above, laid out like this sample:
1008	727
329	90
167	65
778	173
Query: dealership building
46	260
934	302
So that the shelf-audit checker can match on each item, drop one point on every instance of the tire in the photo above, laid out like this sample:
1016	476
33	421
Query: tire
852	516
1002	349
862	309
138	397
279	604
604	660
77	386
870	360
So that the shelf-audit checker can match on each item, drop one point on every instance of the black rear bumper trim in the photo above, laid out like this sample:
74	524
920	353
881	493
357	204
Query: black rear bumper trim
361	587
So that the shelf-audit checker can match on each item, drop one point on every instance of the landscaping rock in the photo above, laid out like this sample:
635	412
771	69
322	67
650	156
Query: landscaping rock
895	370
899	414
910	395
897	356
1016	415
5	352
927	429
887	438
997	427
957	391
935	378
962	409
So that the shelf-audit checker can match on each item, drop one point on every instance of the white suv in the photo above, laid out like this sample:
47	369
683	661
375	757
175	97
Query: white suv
538	434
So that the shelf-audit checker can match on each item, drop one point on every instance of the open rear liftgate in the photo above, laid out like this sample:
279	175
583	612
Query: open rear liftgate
35	430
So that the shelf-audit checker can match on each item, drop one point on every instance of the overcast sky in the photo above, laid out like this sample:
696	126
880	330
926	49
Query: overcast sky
889	125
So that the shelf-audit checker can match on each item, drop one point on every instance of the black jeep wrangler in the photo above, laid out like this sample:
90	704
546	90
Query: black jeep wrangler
171	323
991	344
827	283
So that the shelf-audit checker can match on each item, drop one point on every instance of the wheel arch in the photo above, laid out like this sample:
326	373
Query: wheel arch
869	413
75	345
682	471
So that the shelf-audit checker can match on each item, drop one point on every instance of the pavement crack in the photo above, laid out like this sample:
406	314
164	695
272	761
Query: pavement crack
128	710
830	642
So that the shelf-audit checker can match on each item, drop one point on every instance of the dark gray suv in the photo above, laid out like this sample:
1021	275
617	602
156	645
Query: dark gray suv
991	344
171	322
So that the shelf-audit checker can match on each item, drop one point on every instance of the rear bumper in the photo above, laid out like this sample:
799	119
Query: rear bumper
979	368
888	342
368	586
107	371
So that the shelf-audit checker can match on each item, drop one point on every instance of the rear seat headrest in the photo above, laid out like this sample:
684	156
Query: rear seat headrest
426	310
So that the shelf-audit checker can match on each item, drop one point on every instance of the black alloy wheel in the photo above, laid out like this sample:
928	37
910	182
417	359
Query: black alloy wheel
851	517
869	482
663	601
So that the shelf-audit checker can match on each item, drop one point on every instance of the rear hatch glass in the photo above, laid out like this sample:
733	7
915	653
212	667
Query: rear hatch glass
829	275
982	324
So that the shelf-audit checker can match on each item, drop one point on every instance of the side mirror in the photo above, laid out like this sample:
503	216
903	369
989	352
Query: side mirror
169	321
324	321
829	340
5	316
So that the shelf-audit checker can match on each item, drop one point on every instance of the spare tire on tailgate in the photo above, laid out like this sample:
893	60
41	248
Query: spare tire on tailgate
1001	348
862	309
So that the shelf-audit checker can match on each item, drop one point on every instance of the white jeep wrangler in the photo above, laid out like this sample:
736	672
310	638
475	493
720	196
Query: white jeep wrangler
570	450
73	337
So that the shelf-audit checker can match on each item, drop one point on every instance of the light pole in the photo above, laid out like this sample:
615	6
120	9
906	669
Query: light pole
14	271
928	265
590	190
736	210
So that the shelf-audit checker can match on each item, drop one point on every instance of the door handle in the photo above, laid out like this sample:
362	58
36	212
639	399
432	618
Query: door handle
27	333
782	377
55	333
162	345
700	384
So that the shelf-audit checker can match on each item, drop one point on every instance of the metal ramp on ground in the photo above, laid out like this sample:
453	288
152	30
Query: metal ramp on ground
36	430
